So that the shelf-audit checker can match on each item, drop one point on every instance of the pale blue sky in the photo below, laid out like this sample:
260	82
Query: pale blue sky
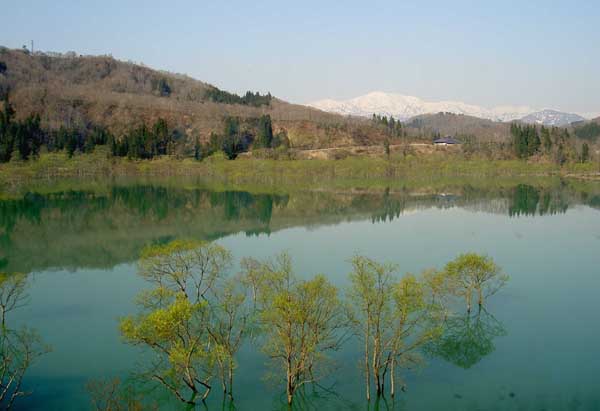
545	54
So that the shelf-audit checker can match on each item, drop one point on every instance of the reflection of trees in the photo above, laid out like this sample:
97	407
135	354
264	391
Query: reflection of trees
593	201
141	200
467	339
391	208
528	201
113	395
19	348
241	204
35	221
522	199
111	225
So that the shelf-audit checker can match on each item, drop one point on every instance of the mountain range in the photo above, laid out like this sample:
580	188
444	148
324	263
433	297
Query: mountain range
404	107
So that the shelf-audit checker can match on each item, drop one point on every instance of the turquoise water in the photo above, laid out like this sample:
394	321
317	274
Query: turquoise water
537	346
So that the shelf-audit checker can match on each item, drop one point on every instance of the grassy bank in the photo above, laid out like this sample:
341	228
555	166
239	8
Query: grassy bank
352	172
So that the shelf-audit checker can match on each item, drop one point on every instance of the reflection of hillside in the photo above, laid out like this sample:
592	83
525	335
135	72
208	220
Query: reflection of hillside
79	229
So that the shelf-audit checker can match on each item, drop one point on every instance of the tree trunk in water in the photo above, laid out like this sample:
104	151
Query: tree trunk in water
191	403
367	367
480	302
469	298
392	382
376	363
231	379
289	388
206	394
223	383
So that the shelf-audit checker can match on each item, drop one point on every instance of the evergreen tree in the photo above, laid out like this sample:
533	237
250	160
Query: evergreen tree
533	140
265	132
525	140
546	140
160	138
71	142
230	142
232	126
163	88
197	150
560	157
6	131
386	147
585	152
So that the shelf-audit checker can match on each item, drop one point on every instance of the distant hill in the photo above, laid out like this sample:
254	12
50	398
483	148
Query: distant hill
73	90
587	130
552	118
457	125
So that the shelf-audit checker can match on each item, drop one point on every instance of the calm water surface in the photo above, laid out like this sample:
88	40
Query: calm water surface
536	348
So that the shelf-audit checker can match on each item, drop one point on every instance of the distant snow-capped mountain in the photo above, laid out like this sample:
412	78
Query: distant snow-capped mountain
404	107
552	118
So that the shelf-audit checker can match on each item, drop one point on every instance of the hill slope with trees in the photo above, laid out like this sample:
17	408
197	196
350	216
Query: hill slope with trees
83	92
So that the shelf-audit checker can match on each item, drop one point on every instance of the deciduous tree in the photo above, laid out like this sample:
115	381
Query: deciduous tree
472	274
394	318
19	348
301	320
175	316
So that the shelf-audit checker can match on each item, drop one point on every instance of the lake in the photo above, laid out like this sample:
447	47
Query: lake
536	346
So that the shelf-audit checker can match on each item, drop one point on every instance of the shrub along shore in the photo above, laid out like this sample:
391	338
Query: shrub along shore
360	171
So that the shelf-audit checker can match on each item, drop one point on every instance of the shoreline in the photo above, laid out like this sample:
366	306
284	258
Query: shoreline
350	172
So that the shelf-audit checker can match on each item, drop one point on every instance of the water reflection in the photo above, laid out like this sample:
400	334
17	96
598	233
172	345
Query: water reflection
115	395
528	201
71	229
467	339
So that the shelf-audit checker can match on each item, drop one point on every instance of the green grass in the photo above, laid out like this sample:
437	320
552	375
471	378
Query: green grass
57	169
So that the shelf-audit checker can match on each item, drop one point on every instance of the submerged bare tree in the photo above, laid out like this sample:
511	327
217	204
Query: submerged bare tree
417	320
394	318
19	348
370	313
472	274
301	321
175	317
186	266
232	319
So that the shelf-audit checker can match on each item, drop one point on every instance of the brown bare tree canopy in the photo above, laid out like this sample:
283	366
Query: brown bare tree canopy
74	91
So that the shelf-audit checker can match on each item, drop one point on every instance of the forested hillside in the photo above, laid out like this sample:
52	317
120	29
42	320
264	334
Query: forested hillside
459	124
67	102
81	93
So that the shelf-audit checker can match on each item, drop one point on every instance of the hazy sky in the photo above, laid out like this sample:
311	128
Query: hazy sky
545	54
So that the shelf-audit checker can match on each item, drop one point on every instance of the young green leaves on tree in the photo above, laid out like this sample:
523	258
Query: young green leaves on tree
474	275
175	317
302	320
394	318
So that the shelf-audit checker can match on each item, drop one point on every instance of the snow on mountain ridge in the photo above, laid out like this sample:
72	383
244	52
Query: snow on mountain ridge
552	118
404	107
